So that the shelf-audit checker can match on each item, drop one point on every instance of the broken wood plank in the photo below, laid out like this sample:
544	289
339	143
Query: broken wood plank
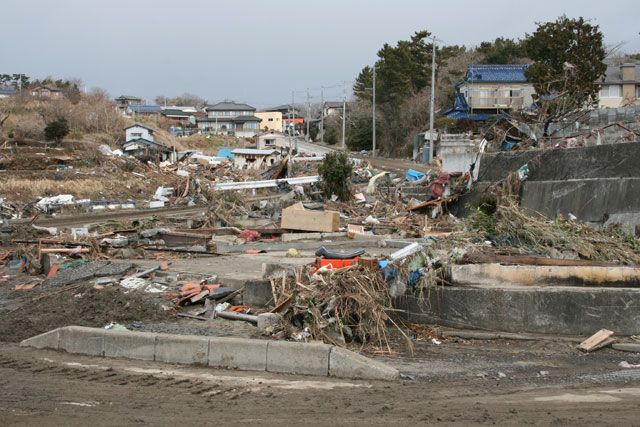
282	306
598	340
64	250
70	288
191	316
296	217
230	296
432	202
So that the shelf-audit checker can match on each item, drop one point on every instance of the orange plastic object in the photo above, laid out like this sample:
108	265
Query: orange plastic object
335	263
53	271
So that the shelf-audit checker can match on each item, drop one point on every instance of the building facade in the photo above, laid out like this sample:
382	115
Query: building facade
621	84
270	120
230	118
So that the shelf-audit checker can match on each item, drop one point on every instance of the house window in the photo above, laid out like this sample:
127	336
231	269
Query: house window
136	135
638	92
246	113
271	119
610	91
252	126
34	93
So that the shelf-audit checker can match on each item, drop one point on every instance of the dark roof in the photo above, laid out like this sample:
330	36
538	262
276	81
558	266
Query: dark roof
152	144
140	126
333	104
51	88
128	98
153	108
243	119
496	73
229	106
614	72
175	112
220	119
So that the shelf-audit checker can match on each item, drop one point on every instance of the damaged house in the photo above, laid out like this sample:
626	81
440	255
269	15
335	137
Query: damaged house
139	143
491	90
250	158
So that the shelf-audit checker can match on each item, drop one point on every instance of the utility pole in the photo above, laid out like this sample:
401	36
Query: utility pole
322	115
431	107
374	110
293	112
308	114
344	112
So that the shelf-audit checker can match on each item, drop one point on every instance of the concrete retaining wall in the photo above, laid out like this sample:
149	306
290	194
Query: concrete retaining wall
598	184
220	352
565	311
491	275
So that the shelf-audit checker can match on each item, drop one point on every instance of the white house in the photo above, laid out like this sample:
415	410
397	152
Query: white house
271	139
250	158
138	131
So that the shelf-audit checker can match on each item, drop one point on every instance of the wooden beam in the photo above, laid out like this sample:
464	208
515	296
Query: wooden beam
432	202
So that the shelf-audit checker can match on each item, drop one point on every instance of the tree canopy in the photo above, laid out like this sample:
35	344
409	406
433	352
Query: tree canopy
568	59
501	51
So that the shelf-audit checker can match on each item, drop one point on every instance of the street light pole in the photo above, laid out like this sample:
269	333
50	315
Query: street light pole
431	107
322	115
344	112
374	111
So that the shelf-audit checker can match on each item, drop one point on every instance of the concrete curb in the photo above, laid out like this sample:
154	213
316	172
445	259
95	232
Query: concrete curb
220	352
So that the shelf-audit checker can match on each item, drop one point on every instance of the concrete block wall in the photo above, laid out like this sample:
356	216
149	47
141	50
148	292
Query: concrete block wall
219	352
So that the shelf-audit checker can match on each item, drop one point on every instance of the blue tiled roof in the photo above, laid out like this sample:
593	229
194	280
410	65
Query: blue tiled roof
496	73
7	91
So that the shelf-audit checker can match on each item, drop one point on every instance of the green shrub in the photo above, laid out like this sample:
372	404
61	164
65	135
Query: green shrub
336	170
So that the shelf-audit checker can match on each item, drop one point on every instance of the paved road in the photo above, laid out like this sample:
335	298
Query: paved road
387	164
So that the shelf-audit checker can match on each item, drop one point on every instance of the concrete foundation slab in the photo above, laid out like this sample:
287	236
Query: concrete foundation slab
132	345
298	358
347	364
245	354
182	349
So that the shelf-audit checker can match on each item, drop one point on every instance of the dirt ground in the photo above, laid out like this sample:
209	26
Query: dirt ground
40	387
459	382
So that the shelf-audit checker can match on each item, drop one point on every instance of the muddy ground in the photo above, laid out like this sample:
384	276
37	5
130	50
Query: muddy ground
40	387
459	382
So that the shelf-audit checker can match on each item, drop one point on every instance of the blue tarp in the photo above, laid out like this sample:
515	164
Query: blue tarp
414	175
226	152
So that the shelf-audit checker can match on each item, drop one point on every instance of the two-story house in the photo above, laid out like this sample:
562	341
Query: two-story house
491	89
621	84
230	118
46	92
139	142
123	101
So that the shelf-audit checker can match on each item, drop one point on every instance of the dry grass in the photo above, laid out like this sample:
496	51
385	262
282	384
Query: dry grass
94	187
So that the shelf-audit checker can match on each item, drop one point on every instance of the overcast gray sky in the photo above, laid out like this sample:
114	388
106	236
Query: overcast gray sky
258	51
